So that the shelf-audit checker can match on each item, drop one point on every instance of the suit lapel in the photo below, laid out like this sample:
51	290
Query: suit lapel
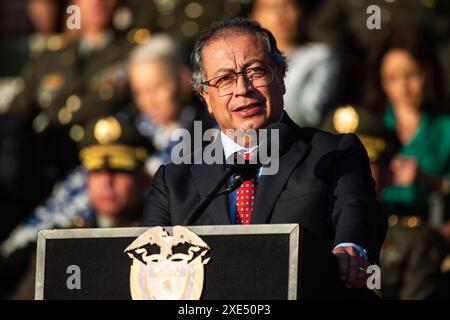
205	177
270	186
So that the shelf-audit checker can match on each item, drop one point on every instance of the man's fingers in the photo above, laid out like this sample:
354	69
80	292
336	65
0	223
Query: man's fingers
343	260
352	270
352	267
361	278
361	273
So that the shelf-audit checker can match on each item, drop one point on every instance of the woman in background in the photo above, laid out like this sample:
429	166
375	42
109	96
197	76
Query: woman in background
406	87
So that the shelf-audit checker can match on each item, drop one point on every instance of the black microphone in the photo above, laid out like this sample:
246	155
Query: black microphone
244	170
248	170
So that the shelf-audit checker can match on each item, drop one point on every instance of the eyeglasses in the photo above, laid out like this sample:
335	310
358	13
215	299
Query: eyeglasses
259	76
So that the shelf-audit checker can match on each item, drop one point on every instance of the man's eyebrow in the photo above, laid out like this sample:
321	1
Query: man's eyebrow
223	70
248	63
253	61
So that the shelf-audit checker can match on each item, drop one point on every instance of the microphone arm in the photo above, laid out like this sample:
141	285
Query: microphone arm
238	180
198	210
243	171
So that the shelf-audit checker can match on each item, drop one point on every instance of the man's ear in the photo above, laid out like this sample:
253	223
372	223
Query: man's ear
206	100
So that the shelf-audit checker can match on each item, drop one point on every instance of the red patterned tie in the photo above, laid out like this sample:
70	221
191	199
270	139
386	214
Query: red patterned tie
245	198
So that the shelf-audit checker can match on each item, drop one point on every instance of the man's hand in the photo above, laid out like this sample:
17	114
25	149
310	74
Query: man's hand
352	266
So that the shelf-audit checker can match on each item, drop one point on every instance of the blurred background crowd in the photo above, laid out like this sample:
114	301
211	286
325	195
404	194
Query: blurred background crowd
86	115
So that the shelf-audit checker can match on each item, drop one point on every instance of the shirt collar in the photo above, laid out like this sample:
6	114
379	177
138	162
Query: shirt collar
86	48
229	146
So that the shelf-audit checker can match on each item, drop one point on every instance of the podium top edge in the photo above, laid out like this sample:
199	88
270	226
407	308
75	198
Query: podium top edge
199	230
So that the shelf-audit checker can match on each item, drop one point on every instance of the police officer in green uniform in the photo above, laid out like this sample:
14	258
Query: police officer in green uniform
46	17
63	89
113	154
82	79
412	253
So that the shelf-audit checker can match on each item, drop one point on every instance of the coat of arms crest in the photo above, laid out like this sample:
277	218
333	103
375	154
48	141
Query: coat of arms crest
161	270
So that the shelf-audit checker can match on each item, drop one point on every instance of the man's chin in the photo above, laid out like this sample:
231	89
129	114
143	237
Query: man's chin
108	210
252	123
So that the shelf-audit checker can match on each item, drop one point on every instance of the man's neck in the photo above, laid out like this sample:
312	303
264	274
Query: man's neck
407	122
105	222
93	39
109	222
231	146
248	139
232	141
245	140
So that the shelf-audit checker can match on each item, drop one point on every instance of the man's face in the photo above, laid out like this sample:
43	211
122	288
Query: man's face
43	15
96	14
115	194
155	91
246	107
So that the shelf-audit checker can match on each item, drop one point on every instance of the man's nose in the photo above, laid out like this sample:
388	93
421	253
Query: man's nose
243	85
106	178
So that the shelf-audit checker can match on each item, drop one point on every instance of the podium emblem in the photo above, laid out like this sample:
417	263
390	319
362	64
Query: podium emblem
167	267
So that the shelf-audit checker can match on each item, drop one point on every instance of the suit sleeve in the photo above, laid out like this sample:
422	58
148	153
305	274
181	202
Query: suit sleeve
356	215
156	206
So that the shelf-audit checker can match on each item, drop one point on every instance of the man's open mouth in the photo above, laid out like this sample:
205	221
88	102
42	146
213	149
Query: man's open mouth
249	110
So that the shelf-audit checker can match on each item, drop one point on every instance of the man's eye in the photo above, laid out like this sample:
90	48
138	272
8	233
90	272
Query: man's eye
225	80
256	71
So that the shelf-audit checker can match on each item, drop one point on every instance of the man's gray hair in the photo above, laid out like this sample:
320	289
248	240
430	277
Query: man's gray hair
160	47
226	28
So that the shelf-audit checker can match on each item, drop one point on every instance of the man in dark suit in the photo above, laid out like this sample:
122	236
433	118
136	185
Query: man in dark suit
323	182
